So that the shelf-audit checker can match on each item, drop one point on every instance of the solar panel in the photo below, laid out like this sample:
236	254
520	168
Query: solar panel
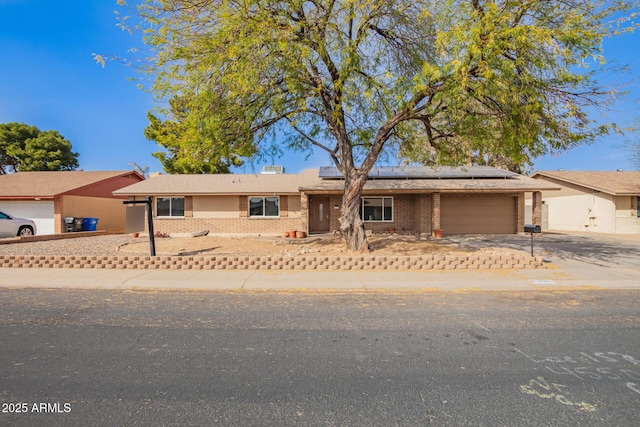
424	172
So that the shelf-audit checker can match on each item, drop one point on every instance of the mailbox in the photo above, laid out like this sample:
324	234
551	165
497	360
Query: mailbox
530	228
533	229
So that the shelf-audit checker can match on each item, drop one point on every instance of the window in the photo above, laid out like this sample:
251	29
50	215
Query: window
638	207
170	206
264	206
377	208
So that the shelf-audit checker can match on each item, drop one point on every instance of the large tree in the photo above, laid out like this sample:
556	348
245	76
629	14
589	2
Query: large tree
27	148
437	81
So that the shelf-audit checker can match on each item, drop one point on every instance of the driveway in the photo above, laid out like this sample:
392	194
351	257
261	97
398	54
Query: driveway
603	250
580	255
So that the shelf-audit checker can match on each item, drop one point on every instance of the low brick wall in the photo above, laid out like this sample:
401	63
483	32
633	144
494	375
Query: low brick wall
364	262
46	237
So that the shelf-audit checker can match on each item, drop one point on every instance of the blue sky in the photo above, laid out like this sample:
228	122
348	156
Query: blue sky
48	78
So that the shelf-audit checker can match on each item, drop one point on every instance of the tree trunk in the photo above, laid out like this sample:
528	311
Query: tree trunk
351	224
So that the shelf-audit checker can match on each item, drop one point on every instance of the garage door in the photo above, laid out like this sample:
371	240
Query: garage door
478	215
40	212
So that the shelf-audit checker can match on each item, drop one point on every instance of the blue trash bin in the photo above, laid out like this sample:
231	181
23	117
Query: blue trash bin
89	224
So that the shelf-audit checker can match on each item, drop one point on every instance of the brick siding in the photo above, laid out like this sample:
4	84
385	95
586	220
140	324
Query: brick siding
263	226
411	214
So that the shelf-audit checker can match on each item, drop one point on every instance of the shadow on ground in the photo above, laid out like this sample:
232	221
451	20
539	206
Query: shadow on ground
596	250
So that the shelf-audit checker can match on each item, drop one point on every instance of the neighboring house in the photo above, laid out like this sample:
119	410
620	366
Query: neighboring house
605	202
406	200
49	197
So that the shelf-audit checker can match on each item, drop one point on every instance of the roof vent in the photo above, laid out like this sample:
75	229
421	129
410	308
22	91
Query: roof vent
272	170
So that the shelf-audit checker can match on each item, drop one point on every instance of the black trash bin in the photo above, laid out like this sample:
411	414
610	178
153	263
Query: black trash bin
77	224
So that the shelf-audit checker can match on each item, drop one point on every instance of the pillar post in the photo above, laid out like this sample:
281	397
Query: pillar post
304	212
520	213
59	225
435	217
536	205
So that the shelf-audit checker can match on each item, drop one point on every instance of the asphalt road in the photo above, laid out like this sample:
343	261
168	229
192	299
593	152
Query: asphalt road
122	358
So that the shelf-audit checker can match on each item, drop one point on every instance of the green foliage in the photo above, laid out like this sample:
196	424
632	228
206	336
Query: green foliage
27	148
446	82
193	147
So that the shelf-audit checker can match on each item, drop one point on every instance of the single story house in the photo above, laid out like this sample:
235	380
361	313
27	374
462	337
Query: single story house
408	200
48	197
598	201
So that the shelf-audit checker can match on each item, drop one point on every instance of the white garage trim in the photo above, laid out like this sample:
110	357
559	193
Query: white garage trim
478	214
41	212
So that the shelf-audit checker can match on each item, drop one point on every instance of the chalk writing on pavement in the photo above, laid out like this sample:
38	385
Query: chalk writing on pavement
541	388
585	366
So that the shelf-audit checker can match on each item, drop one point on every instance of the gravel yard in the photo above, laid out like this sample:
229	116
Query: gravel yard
126	245
87	246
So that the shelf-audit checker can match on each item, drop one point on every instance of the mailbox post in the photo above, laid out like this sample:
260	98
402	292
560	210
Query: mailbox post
532	229
152	240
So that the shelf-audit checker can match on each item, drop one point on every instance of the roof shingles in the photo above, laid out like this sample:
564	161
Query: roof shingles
221	184
615	183
50	183
310	181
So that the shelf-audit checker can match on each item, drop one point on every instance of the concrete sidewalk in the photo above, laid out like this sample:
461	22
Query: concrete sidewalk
561	276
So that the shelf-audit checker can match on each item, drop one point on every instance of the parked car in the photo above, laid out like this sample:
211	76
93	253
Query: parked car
12	226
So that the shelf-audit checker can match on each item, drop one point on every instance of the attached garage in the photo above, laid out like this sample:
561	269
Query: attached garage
481	214
41	212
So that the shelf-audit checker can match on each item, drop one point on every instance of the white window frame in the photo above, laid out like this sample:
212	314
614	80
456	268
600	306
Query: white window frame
170	206
264	208
362	199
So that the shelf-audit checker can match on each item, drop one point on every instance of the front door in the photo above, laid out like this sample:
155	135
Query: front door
318	214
